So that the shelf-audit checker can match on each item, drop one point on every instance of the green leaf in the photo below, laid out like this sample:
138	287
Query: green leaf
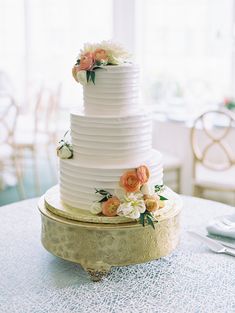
158	188
162	198
142	219
103	192
230	105
93	76
66	133
103	199
150	221
88	73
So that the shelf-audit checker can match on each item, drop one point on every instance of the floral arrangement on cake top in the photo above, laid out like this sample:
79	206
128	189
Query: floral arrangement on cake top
96	56
135	199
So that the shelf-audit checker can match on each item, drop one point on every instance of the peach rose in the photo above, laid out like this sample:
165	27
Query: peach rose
86	61
109	207
152	203
75	69
143	174
130	182
100	55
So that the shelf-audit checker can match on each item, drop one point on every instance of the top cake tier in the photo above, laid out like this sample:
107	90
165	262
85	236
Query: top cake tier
115	92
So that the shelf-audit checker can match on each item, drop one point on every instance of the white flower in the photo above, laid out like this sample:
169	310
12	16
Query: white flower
133	197
116	53
127	210
113	60
81	77
96	208
88	47
127	196
64	152
147	189
132	206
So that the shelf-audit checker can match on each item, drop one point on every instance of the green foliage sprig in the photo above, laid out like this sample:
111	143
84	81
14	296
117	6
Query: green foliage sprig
105	194
65	143
90	75
158	190
147	217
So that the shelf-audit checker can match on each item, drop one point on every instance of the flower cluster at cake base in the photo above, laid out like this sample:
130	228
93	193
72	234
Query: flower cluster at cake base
64	149
97	56
135	199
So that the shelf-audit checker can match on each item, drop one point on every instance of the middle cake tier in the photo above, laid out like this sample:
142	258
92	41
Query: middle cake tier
111	140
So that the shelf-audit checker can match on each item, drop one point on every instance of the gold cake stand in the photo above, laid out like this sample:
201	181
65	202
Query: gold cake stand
97	243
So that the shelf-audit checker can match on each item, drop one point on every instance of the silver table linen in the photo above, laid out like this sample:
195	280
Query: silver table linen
192	279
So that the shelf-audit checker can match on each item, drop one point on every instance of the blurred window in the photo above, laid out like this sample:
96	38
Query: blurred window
40	40
187	52
185	48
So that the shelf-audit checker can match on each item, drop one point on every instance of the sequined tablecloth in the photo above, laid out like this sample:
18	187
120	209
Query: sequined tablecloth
192	279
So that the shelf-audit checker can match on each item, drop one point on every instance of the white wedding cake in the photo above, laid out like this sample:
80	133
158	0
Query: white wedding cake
109	167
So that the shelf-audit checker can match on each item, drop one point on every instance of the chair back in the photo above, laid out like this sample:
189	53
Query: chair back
8	117
45	112
6	85
213	140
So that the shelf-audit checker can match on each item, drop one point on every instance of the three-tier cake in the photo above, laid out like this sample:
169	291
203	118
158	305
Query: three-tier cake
109	173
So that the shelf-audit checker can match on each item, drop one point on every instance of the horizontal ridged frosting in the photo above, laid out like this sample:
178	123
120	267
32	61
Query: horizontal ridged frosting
116	91
111	135
78	182
111	140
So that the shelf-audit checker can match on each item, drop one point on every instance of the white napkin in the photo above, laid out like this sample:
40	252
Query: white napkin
222	226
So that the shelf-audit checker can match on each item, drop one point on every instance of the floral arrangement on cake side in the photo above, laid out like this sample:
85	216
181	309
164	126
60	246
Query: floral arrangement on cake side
96	56
64	149
136	199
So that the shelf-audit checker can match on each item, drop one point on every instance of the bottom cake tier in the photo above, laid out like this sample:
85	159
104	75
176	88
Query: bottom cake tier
79	180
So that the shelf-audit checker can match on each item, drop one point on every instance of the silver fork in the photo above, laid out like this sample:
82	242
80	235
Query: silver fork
224	243
212	244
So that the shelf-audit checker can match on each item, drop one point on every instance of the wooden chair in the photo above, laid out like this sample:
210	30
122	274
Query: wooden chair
213	146
39	136
8	154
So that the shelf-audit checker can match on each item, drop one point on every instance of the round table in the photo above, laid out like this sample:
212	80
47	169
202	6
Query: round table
192	279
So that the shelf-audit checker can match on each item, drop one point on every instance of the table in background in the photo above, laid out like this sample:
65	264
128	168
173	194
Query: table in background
192	279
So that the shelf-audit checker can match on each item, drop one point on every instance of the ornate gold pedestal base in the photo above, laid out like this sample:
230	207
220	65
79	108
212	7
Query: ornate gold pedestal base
98	247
